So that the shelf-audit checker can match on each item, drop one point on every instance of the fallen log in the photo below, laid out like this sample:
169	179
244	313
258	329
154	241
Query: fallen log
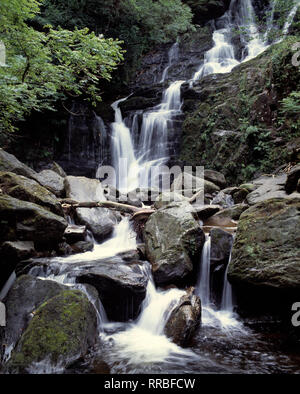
71	204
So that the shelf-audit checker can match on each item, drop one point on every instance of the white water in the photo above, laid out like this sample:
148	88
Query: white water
144	342
290	18
172	57
203	285
227	296
152	148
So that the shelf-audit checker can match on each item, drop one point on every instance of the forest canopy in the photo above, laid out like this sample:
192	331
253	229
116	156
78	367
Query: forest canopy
59	49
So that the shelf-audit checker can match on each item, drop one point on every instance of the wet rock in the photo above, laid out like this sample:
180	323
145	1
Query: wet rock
82	247
9	163
100	221
10	254
184	320
25	296
292	180
120	281
60	332
221	245
266	247
75	233
26	189
249	186
25	221
174	241
52	181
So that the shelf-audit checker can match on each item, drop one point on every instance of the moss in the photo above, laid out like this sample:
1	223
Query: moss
246	104
58	330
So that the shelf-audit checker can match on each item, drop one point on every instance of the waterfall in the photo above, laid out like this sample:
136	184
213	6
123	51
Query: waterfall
172	57
227	296
203	285
290	18
152	149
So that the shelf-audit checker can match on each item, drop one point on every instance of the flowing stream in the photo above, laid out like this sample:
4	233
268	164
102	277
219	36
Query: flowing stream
140	346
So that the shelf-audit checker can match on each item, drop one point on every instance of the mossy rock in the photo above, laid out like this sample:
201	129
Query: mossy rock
266	248
26	221
26	189
61	331
173	240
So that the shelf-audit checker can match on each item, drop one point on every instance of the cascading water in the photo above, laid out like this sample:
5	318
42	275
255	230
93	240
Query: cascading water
203	285
172	57
152	148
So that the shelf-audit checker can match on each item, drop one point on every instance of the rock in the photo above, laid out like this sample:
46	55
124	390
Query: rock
184	320
240	196
100	221
26	189
248	186
173	241
268	187
75	233
205	211
60	332
10	254
167	197
188	181
233	212
52	181
221	244
266	248
230	190
18	250
120	281
215	177
25	296
9	163
25	221
292	180
298	186
82	247
223	199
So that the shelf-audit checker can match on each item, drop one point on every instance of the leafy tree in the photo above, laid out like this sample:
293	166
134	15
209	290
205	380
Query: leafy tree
49	65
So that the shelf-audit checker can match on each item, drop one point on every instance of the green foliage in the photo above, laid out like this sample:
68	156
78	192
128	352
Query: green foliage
49	65
291	104
141	24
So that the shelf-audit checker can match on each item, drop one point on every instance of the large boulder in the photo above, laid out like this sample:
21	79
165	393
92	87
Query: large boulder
215	177
100	221
60	332
10	163
221	245
184	320
173	240
234	212
52	181
266	247
26	189
268	187
121	282
25	296
26	221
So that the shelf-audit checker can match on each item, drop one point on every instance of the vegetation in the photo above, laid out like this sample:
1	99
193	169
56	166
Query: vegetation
49	65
